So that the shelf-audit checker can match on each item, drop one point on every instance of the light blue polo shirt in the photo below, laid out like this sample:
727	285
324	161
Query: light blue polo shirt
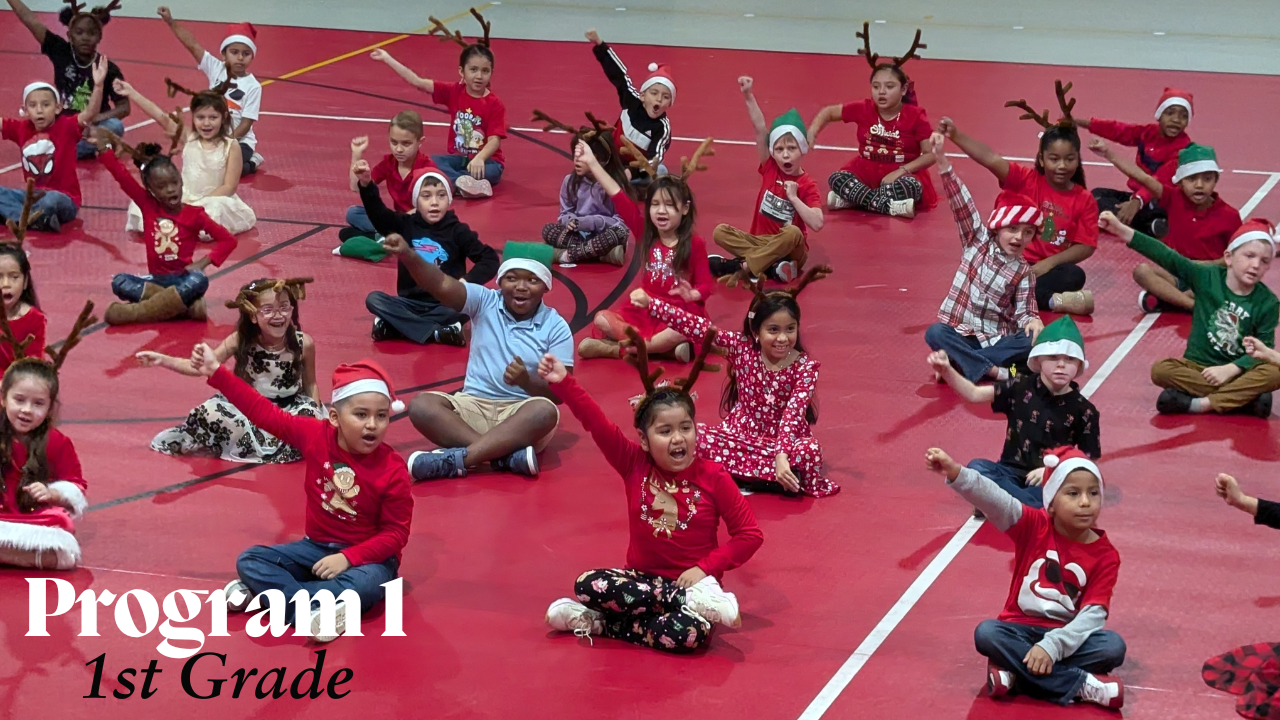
497	337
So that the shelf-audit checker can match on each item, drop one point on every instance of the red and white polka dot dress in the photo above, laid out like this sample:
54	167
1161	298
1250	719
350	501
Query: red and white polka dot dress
769	417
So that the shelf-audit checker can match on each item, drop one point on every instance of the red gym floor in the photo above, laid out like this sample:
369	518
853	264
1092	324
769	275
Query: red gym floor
490	552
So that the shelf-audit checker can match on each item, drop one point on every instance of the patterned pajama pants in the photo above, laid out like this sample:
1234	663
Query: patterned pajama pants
864	197
579	249
755	458
642	609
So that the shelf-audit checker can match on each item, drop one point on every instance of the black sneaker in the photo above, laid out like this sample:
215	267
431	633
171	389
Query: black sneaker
450	335
1150	303
382	330
1261	406
1159	228
722	266
521	462
1176	402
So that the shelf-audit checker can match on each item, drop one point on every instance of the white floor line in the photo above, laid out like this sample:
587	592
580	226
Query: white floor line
149	574
144	123
1262	192
889	622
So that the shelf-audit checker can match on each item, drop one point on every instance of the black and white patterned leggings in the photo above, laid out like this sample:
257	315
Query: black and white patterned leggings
579	249
642	609
877	199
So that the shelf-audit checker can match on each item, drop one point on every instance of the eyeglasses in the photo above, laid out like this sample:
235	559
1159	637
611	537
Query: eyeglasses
282	311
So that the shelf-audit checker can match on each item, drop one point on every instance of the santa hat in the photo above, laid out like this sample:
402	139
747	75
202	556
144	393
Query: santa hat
660	75
1014	209
26	91
1194	159
364	376
1060	337
534	257
240	33
789	123
1060	463
1172	97
1254	229
421	174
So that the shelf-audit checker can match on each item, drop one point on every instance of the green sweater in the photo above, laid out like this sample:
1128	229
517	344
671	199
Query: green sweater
1221	319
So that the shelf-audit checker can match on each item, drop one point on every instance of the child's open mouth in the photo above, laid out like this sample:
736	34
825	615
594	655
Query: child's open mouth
655	110
677	453
369	438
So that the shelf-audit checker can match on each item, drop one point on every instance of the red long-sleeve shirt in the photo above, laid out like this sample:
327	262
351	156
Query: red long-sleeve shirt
373	517
171	239
659	277
712	491
1157	154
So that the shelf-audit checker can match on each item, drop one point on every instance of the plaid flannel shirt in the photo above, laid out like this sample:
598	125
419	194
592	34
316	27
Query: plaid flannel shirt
992	294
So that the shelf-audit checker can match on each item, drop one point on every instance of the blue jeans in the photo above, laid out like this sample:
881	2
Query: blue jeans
287	568
191	285
359	219
55	208
970	358
1006	643
455	166
86	149
1011	480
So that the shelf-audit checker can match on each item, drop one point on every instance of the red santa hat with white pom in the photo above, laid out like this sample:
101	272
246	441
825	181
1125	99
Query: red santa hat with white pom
660	75
1061	462
364	376
1173	97
243	33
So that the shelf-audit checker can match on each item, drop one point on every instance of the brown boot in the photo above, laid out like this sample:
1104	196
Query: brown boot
196	310
149	290
593	348
164	305
1074	303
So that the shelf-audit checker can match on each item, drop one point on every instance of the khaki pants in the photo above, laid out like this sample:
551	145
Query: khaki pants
483	414
1184	375
761	251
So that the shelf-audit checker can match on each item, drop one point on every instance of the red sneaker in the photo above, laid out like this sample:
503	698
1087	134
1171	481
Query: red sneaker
1104	690
999	681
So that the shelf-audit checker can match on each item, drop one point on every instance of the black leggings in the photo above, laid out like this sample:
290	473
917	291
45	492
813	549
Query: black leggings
1067	277
1145	220
642	609
876	199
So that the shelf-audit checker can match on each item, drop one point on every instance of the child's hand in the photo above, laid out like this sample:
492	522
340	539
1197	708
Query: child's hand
360	169
937	141
1038	661
1099	147
516	373
476	168
1035	477
683	290
1221	374
164	14
122	88
41	493
147	358
203	359
784	475
1127	209
947	128
359	145
1110	224
584	153
690	577
1258	350
1033	328
939	361
331	566
551	369
572	224
937	460
380	55
396	245
745	84
1228	489
100	70
593	36
640	298
793	190
892	177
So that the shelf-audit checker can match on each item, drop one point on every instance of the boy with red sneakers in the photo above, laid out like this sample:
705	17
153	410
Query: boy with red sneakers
1049	640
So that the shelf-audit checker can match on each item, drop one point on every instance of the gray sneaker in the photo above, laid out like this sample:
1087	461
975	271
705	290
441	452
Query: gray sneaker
439	463
521	462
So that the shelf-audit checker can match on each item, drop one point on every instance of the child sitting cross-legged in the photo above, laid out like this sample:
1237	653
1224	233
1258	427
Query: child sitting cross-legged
358	504
989	319
589	227
397	170
643	121
1045	409
1049	641
788	207
1199	223
1216	373
668	594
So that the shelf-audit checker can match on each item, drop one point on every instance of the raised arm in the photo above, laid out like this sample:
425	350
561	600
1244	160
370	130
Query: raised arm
184	35
615	71
1152	249
607	183
828	114
985	156
384	219
1126	166
28	18
745	84
127	182
150	109
94	104
424	84
448	291
687	324
261	412
941	364
964	210
1001	509
183	366
621	451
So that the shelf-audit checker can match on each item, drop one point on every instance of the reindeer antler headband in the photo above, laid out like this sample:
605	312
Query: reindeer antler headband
297	287
873	59
811	275
456	36
1042	118
56	357
688	166
585	132
649	379
19	228
98	13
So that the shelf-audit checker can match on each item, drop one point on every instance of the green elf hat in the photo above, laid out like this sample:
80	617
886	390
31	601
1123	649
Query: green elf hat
362	247
1194	159
789	123
534	257
1060	337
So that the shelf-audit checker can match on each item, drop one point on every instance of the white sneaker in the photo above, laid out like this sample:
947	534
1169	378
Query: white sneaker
709	600
1102	690
238	595
902	208
339	623
471	187
257	161
684	352
617	255
835	202
567	615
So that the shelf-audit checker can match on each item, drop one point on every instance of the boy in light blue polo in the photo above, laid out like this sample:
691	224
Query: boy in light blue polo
504	414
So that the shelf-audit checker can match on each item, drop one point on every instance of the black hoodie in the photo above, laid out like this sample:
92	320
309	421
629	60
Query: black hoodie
448	244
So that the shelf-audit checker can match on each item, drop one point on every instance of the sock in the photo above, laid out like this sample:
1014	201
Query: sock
1001	375
1200	405
1053	301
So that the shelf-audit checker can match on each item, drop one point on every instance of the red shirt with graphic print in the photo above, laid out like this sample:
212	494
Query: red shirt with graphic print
473	120
1070	217
1053	576
48	155
773	210
886	145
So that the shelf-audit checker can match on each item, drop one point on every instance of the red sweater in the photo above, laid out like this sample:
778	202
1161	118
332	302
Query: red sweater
712	491
371	518
171	239
32	324
659	277
1155	151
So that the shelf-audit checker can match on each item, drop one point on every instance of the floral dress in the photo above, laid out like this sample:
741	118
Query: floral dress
769	417
216	427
